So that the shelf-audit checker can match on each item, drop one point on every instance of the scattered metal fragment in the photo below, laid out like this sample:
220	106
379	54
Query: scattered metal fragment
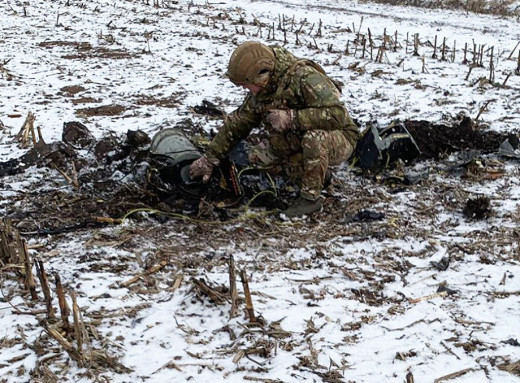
510	147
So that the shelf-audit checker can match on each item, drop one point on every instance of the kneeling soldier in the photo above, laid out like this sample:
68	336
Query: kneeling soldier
309	127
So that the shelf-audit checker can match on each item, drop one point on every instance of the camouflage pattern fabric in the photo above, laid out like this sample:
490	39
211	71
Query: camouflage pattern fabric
323	133
307	164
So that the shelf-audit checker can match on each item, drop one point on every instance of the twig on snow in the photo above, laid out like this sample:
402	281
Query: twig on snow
441	294
454	375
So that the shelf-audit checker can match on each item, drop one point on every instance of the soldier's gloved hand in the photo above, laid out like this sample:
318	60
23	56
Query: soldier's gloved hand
280	119
202	167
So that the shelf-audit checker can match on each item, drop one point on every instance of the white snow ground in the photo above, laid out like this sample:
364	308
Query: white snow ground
320	290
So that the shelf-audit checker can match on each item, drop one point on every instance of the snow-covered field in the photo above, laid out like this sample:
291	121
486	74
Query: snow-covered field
340	299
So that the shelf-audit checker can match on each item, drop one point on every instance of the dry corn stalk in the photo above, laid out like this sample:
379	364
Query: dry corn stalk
442	294
26	131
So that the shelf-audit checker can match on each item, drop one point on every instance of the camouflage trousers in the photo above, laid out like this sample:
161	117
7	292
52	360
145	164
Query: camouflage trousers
305	160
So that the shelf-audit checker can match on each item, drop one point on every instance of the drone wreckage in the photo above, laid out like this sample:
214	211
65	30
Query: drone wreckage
139	173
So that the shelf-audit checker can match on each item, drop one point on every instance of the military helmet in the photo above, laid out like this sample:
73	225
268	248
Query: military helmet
248	61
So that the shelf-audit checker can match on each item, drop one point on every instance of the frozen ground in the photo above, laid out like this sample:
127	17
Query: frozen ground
337	297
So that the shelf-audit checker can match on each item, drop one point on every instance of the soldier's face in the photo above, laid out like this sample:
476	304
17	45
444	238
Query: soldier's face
255	89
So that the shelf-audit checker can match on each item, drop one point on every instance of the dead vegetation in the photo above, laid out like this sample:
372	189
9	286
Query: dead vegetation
496	7
69	330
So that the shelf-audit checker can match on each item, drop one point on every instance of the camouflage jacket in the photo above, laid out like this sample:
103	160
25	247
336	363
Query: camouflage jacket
302	87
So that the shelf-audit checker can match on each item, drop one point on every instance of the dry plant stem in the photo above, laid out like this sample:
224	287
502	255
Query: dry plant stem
429	297
40	137
505	293
33	312
71	350
5	249
469	72
454	51
155	268
29	277
79	328
208	291
249	301
513	51
177	282
503	281
64	307
42	276
507	78
67	178
113	221
423	279
264	380
443	50
449	350
27	128
491	69
75	181
482	108
232	287
453	375
416	45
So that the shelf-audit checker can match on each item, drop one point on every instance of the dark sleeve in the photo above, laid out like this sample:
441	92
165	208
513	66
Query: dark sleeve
237	126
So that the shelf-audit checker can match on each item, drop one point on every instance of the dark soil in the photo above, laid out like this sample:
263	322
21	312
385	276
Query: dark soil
438	140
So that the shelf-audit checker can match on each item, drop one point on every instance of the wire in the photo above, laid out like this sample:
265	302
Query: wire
190	219
257	195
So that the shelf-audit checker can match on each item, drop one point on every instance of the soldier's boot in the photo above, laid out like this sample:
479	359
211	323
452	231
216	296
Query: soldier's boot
303	206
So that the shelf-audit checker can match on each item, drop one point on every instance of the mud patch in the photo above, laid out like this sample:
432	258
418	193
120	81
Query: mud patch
71	90
51	44
168	102
104	110
100	52
85	100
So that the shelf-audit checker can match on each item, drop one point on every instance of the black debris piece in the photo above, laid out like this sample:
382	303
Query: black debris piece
209	109
446	289
477	208
511	342
442	265
510	147
137	138
366	216
378	148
